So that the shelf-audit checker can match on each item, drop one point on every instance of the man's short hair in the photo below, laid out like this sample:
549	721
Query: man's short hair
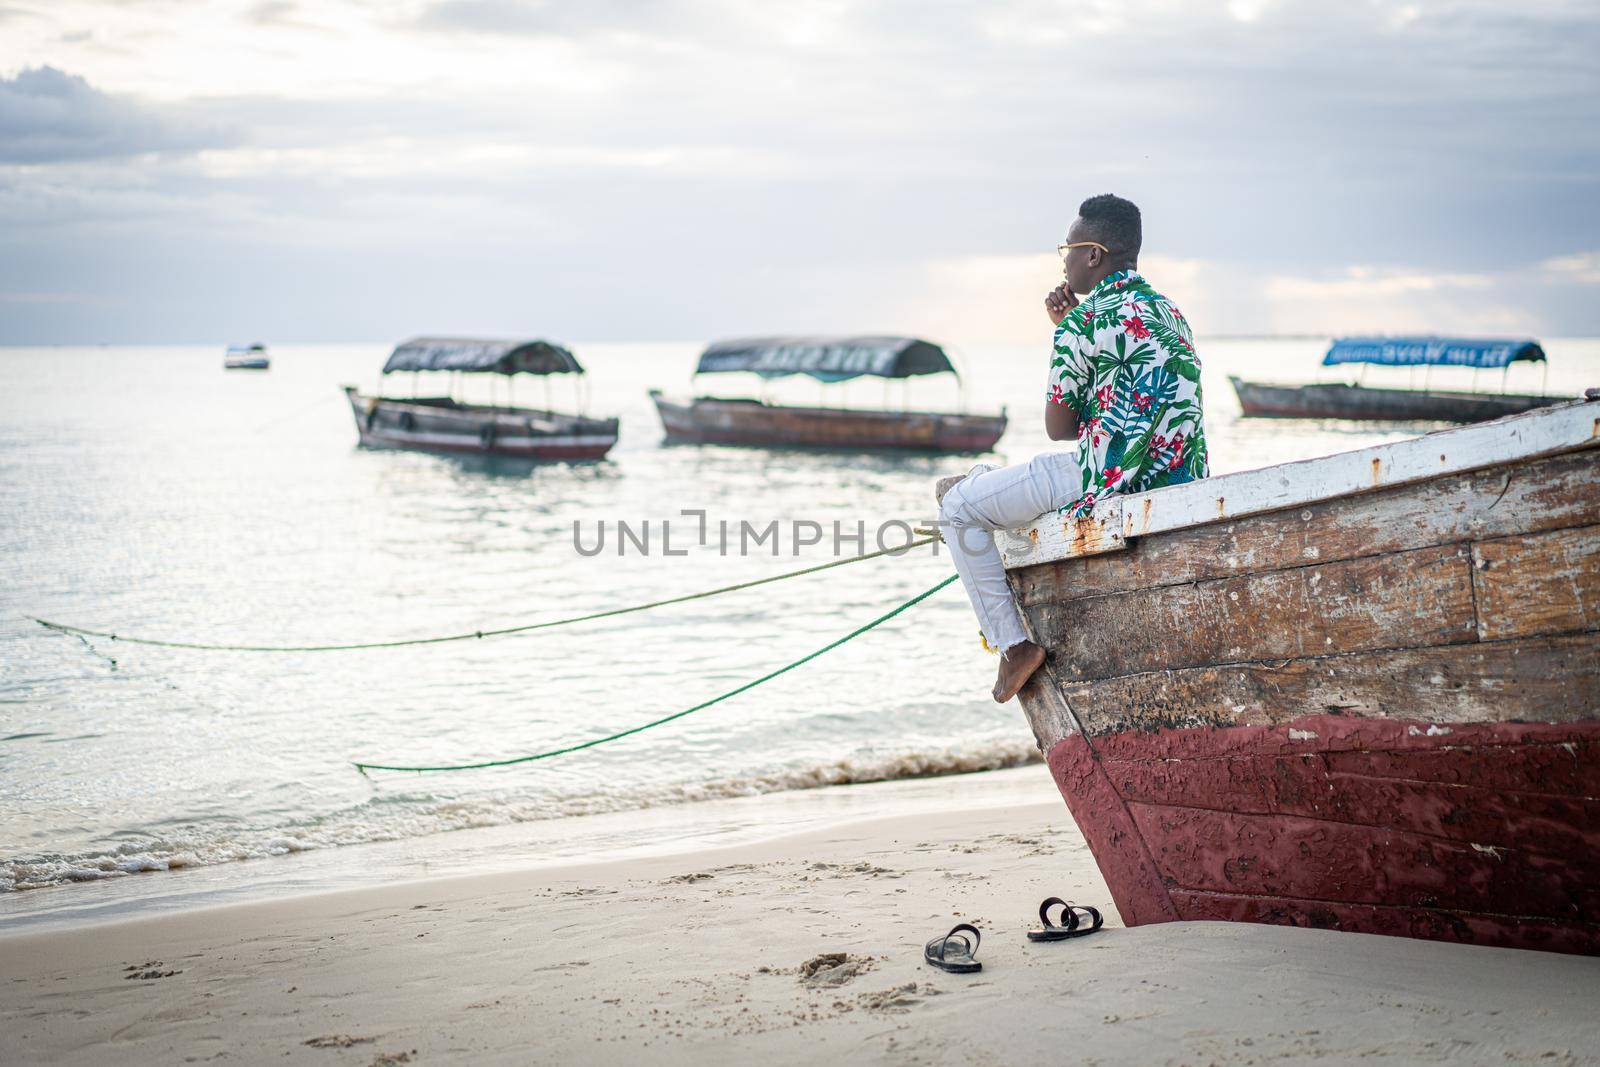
1114	222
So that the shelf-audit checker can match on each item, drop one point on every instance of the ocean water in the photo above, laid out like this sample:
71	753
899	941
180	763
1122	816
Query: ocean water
146	491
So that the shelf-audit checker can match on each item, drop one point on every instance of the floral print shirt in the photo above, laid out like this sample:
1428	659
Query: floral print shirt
1124	360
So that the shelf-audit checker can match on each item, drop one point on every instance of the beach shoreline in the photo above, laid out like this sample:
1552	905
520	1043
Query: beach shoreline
696	955
678	827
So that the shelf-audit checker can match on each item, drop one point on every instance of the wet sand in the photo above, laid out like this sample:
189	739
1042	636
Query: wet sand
700	958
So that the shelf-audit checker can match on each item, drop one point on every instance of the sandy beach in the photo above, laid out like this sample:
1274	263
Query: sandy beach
700	957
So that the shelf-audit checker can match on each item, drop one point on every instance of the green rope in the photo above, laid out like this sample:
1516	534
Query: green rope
365	767
478	634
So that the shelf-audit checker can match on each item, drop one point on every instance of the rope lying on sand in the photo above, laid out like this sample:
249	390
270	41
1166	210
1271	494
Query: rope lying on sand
479	634
365	767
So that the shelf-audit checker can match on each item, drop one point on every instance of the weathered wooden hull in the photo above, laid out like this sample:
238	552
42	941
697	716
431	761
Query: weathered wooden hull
438	424
1336	400
751	422
1377	711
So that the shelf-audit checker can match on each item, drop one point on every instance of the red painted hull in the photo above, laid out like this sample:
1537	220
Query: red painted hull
1486	833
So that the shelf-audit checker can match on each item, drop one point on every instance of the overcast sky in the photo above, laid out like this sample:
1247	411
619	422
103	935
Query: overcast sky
189	171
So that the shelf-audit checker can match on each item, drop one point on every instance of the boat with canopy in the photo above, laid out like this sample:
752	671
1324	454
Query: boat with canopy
1339	400
749	421
442	423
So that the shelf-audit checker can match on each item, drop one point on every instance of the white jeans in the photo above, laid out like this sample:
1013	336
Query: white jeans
992	499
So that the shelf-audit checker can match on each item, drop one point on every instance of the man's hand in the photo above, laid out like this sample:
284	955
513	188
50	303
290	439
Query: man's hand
1059	301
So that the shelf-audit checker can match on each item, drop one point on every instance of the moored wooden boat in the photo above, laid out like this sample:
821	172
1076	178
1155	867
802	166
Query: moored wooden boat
1340	400
828	359
445	424
751	422
1360	692
246	357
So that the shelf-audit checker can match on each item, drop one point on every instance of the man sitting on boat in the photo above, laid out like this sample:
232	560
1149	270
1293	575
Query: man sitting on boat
1124	381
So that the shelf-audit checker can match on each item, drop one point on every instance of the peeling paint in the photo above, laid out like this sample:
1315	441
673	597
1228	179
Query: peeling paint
1488	850
1302	735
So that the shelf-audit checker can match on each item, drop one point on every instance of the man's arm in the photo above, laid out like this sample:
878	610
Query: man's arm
1060	421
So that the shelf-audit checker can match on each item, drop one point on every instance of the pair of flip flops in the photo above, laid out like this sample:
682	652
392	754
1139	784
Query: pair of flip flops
955	951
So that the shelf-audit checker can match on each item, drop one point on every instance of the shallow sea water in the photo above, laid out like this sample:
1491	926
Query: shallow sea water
146	491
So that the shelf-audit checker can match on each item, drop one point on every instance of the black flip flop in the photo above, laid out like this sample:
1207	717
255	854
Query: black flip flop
1070	926
953	952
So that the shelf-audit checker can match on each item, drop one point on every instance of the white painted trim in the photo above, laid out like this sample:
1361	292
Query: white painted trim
1053	537
1562	428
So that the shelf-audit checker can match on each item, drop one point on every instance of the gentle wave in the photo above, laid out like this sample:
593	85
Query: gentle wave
396	817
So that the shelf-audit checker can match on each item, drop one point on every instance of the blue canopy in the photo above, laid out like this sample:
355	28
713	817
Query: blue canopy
1432	351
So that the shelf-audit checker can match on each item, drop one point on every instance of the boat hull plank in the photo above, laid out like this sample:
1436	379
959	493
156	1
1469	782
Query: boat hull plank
1265	785
1377	712
1447	684
1547	493
1286	855
1429	924
1540	584
1417	598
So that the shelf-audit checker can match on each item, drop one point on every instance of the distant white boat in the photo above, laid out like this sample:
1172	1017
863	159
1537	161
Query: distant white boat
246	357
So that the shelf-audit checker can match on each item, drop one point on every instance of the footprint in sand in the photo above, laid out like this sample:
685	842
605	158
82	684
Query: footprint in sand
899	999
832	969
338	1041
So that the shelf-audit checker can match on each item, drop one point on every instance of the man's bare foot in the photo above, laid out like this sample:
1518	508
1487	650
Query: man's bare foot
1017	665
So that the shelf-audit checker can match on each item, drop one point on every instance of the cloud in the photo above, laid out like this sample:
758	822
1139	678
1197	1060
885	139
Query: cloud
738	166
272	12
1369	283
1370	299
1001	297
1580	267
558	17
50	116
998	298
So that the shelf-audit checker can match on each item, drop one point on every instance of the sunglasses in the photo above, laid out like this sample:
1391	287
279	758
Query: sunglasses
1063	249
